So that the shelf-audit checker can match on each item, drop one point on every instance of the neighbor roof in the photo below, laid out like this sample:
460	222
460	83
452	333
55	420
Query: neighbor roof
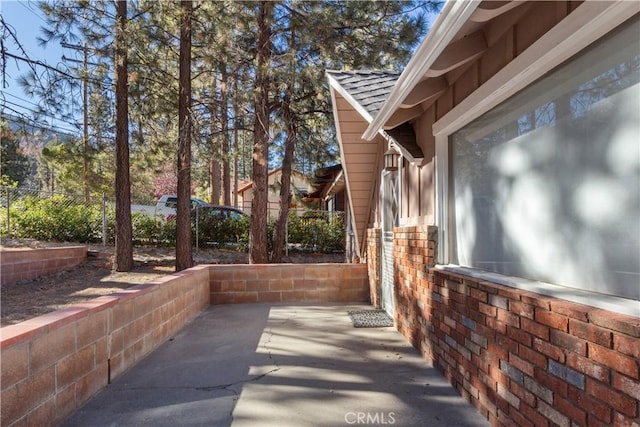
368	88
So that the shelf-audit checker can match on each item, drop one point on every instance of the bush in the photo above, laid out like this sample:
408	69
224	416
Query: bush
215	231
56	218
317	231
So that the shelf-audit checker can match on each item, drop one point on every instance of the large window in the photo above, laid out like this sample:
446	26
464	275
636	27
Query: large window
546	186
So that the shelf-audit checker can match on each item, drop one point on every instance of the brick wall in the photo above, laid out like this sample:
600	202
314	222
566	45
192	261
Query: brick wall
238	283
373	265
27	264
519	357
53	364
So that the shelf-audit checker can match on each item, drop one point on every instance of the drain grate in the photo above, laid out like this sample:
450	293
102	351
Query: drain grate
370	319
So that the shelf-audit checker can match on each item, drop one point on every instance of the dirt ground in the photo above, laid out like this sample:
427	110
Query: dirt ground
27	299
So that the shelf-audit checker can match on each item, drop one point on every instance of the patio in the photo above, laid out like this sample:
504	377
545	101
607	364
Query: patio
280	365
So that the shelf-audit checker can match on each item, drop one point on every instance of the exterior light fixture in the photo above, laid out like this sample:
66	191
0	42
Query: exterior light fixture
391	158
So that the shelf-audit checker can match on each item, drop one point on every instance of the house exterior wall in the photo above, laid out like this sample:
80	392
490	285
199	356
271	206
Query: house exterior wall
507	37
519	357
273	196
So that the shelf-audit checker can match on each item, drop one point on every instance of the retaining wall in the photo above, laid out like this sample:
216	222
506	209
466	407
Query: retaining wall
27	264
53	364
273	283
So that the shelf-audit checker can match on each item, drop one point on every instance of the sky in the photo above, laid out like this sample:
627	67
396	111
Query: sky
25	20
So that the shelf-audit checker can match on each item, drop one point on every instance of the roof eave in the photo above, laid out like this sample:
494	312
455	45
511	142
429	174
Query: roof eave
453	16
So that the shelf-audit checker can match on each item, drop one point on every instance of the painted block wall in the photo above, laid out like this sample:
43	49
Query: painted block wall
27	264
53	364
274	283
519	357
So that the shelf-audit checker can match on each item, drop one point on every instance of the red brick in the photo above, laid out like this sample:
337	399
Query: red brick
589	332
571	309
534	416
553	383
549	349
589	367
535	328
488	310
532	356
627	345
508	318
496	325
520	420
521	309
552	319
627	385
572	411
616	361
519	335
593	407
568	342
628	325
272	297
620	420
618	401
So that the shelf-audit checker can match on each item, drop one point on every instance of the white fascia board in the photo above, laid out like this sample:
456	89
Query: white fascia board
347	96
453	16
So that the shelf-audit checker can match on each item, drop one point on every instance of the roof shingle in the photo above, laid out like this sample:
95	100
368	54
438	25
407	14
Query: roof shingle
369	88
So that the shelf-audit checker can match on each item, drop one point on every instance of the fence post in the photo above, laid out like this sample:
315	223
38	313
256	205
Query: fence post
104	219
197	228
6	189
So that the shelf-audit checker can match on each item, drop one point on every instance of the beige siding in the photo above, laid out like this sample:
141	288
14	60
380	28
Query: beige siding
360	160
507	36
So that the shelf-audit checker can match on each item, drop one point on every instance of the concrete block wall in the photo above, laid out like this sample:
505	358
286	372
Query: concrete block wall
239	283
53	364
27	264
519	357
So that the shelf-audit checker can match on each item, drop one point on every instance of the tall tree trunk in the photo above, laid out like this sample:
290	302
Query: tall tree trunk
280	232
183	211
214	175
224	119
285	187
123	260
258	229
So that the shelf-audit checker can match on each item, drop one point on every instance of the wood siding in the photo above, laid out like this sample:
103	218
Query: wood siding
361	165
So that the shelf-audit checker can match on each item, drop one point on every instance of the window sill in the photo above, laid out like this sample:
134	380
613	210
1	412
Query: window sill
611	303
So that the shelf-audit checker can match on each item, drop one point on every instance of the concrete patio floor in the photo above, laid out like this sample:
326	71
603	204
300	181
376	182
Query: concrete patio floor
280	365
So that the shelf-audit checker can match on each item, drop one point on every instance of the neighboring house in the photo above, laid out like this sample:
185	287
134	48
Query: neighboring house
329	193
299	188
506	241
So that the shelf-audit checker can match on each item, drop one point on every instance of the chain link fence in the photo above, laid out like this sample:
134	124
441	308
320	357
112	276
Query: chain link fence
64	217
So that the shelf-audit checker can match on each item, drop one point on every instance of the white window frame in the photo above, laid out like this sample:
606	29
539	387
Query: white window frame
588	23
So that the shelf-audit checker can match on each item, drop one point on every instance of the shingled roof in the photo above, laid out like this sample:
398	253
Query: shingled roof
369	88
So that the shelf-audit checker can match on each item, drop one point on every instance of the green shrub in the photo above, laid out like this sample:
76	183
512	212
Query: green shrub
57	218
215	231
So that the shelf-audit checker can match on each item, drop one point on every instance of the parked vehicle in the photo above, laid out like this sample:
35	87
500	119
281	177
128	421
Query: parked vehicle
166	206
213	211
